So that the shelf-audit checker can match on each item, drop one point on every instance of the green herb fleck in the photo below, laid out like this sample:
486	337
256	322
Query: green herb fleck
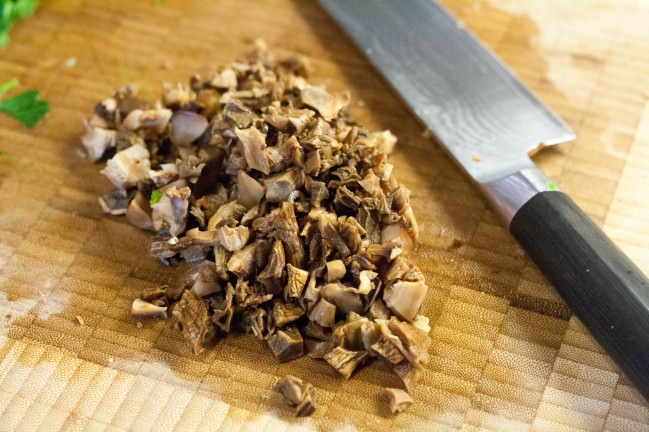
27	108
4	88
552	186
10	12
155	197
159	2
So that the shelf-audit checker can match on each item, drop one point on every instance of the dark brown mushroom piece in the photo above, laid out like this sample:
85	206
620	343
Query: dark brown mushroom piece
297	393
344	360
286	344
192	315
285	313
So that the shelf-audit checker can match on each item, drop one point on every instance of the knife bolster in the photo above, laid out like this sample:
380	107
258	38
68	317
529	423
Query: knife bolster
509	194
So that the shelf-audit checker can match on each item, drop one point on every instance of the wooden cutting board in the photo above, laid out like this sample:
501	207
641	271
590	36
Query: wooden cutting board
506	353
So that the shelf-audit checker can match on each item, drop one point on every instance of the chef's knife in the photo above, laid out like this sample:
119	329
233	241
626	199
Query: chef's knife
490	122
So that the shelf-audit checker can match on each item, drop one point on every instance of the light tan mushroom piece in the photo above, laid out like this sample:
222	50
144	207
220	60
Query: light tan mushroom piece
405	298
233	239
143	309
398	400
253	144
335	270
97	140
323	313
249	190
128	167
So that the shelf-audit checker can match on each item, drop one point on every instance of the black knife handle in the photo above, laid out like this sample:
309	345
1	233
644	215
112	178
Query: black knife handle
601	285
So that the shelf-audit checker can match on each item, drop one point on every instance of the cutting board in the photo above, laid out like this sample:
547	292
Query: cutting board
506	352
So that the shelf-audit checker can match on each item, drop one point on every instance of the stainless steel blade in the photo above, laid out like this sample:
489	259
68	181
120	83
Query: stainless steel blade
486	118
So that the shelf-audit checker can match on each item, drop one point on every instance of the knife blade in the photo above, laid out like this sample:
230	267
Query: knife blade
490	123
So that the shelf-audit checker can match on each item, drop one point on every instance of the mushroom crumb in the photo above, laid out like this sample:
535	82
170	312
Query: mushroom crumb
283	217
80	320
297	393
398	400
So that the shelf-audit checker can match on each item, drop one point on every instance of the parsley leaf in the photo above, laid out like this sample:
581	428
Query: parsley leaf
155	197
26	107
10	12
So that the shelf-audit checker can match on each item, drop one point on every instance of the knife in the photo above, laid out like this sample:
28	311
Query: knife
490	123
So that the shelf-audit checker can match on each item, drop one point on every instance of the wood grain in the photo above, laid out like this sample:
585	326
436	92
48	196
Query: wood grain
506	353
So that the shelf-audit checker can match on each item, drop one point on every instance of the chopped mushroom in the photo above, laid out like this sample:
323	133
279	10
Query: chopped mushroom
143	309
128	167
233	239
284	217
335	270
97	140
186	127
296	282
327	105
405	298
253	144
298	393
192	314
171	211
344	360
286	344
323	313
398	400
250	190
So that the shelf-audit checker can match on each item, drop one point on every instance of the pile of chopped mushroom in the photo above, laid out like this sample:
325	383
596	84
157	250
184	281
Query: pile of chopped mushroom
288	215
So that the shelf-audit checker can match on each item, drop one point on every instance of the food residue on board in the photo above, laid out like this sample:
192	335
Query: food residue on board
284	215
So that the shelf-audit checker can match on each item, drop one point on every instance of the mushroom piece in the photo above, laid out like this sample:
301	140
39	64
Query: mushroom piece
192	314
224	310
297	393
405	298
115	203
398	400
97	140
365	281
206	281
323	313
171	211
295	283
176	96
280	186
253	143
345	298
139	212
335	270
233	239
225	80
316	331
250	191
186	127
286	344
327	105
242	261
284	313
154	119
167	173
205	238
144	309
344	360
408	374
271	275
228	212
128	167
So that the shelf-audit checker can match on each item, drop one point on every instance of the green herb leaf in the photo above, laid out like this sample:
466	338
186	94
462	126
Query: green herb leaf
10	12
4	88
26	108
155	197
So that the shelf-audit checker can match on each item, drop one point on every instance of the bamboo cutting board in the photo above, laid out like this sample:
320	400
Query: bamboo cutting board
506	353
